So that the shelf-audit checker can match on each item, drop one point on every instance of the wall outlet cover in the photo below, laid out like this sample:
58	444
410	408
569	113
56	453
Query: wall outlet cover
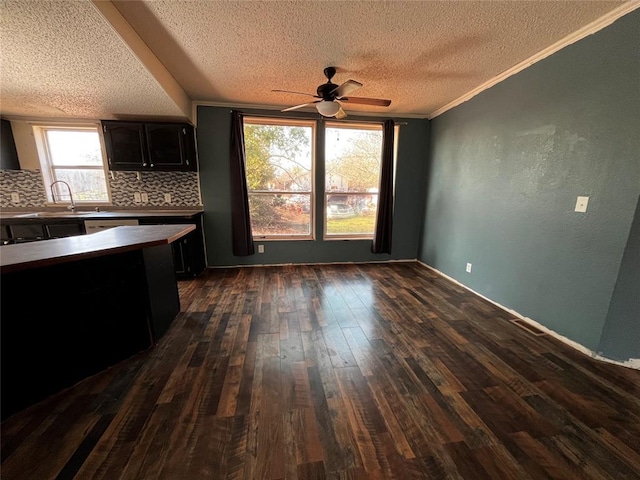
15	197
136	197
260	248
167	198
581	204
144	197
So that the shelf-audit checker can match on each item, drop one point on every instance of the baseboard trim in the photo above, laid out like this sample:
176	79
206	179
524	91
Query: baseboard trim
631	363
364	262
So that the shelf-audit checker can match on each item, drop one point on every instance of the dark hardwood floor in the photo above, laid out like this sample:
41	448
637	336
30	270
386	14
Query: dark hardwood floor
339	372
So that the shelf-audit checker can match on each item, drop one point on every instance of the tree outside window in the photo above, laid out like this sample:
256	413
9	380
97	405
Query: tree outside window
73	154
352	178
279	172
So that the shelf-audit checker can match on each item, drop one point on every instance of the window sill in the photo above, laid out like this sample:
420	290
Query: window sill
283	239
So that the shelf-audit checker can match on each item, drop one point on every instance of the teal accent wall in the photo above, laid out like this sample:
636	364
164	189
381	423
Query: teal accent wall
621	333
505	170
214	125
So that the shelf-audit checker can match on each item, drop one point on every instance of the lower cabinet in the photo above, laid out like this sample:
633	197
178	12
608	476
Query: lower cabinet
35	230
188	252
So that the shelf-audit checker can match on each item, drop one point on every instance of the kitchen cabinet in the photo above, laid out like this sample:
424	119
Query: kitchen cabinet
188	252
8	152
150	146
35	230
26	232
66	229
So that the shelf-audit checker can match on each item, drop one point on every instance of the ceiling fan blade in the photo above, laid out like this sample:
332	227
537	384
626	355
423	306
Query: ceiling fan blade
341	114
299	106
367	101
298	93
346	87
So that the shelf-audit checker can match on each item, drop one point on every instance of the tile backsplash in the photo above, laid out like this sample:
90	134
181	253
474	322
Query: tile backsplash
27	184
181	186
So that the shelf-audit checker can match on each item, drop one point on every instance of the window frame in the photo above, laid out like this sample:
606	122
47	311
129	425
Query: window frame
48	168
290	122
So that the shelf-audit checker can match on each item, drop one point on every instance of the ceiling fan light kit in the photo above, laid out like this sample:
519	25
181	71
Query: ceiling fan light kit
328	109
329	94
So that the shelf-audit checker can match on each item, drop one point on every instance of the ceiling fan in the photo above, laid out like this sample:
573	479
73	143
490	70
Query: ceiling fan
331	95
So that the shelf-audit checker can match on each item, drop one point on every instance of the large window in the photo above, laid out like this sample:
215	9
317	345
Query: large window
73	155
353	155
280	177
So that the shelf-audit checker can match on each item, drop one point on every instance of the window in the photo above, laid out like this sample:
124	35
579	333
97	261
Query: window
352	176
280	177
72	154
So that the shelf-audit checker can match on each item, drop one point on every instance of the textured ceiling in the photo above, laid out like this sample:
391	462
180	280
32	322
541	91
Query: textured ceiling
63	59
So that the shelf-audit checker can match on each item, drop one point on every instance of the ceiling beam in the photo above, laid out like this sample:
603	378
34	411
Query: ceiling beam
141	51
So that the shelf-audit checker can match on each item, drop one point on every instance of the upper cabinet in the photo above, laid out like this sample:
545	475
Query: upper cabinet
156	146
8	153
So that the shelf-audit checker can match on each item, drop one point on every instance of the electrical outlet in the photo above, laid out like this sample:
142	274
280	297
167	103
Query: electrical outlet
581	204
260	248
136	197
468	268
145	197
167	198
15	197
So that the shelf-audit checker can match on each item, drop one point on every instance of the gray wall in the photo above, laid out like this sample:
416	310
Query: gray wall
621	333
506	168
214	125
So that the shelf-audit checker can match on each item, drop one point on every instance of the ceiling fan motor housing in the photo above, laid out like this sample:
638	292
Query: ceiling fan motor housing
325	90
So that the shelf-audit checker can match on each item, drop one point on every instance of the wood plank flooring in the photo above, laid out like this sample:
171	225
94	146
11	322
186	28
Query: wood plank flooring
339	372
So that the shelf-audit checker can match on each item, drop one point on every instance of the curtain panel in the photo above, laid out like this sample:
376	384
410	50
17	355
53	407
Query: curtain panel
242	237
384	219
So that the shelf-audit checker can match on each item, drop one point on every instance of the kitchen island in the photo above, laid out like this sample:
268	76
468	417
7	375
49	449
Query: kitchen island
71	307
23	226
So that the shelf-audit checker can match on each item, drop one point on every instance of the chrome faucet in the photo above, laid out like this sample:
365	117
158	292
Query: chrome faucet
71	207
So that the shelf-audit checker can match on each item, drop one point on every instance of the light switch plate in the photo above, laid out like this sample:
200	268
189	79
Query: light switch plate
136	197
15	197
144	197
581	204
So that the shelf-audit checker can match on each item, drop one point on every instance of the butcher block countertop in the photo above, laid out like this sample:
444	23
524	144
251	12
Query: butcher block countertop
30	255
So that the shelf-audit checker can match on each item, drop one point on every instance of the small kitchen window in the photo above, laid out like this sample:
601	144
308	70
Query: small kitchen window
74	155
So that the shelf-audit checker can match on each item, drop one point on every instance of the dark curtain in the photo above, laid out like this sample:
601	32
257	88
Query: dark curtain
240	219
384	220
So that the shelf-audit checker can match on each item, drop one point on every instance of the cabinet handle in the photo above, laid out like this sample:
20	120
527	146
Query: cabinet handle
152	165
184	131
144	164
